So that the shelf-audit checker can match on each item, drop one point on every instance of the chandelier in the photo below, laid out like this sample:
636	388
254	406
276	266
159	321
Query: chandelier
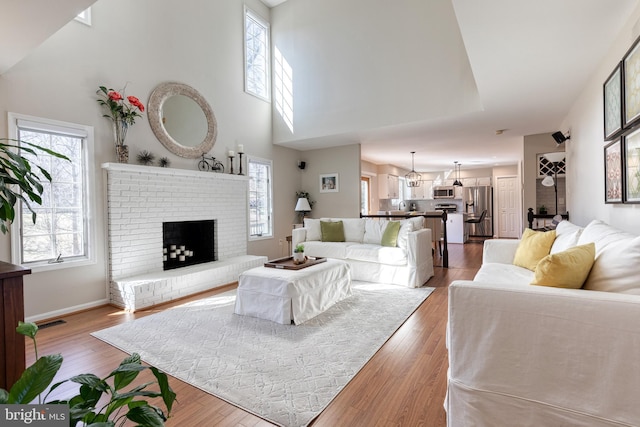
456	168
413	178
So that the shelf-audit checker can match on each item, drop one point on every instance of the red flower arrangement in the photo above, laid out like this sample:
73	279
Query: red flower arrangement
119	108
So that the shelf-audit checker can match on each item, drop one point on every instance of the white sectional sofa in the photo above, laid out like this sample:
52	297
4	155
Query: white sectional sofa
527	355
410	263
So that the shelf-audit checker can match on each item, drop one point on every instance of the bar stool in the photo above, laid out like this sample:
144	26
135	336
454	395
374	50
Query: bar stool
479	221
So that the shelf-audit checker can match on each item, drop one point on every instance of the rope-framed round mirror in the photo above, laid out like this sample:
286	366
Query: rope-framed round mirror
182	120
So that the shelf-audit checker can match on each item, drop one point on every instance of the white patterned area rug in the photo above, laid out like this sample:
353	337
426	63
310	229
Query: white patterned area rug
286	374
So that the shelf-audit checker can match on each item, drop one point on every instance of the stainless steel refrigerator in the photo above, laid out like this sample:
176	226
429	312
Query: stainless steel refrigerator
475	201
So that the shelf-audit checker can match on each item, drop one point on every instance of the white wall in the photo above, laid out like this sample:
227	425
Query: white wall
368	67
141	44
585	150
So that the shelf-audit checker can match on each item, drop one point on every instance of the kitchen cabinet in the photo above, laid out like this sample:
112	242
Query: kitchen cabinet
424	192
456	230
387	186
457	192
484	181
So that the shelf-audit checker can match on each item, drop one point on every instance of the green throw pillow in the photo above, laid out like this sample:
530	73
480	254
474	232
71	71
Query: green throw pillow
332	231
390	235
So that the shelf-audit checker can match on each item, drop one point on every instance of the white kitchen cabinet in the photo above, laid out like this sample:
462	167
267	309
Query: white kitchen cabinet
457	192
387	186
469	182
427	189
423	192
485	180
456	230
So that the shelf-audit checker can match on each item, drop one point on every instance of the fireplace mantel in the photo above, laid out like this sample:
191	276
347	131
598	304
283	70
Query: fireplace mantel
156	170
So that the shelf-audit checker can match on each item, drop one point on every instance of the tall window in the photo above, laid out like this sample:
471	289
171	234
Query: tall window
256	55
60	237
260	198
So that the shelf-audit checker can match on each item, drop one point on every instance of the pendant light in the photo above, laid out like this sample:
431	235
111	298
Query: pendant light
456	167
413	178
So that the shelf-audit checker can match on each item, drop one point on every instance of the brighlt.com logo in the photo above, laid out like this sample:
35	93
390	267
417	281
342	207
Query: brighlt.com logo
34	415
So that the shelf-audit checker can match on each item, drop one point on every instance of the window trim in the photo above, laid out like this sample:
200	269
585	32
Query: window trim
89	173
268	162
254	15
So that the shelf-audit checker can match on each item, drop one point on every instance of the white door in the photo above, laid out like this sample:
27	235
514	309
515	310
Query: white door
508	207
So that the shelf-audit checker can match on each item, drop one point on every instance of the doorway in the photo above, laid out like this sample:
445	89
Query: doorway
509	212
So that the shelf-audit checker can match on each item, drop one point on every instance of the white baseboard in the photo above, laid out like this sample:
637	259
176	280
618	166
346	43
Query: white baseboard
68	310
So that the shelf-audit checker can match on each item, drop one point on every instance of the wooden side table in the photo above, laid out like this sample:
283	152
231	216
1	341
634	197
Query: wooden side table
11	342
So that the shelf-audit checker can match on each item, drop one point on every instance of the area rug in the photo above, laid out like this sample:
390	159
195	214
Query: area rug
286	374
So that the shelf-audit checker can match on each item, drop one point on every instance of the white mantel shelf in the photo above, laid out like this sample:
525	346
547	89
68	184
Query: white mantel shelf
125	167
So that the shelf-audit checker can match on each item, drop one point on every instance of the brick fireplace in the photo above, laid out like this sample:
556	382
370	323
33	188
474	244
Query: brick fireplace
140	199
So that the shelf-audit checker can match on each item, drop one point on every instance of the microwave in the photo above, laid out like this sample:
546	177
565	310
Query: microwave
443	192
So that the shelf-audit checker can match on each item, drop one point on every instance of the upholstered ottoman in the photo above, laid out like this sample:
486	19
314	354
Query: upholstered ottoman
284	296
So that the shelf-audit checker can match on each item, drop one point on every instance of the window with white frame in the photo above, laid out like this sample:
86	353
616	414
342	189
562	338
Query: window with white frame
84	16
256	55
260	198
60	237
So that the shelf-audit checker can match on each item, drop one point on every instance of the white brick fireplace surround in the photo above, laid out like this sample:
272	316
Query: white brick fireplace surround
140	199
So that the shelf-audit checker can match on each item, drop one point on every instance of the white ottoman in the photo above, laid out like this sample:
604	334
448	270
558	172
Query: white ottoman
283	295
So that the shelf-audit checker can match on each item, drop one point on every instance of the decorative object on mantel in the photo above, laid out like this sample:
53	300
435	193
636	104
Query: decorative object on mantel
146	157
123	113
240	153
210	164
164	162
231	155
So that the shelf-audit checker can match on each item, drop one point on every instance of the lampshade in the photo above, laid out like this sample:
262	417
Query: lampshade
303	205
548	181
555	157
413	178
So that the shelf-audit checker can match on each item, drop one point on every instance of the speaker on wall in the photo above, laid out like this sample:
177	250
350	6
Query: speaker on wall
302	165
559	137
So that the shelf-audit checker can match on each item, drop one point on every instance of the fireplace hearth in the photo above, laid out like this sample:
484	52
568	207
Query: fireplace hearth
186	243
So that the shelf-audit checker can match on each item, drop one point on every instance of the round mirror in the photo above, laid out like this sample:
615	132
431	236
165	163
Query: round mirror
182	120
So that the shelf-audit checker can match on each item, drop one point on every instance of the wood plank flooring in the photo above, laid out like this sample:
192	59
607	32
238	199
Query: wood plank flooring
404	384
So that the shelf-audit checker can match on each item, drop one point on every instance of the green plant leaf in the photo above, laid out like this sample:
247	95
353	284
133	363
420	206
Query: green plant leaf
4	396
168	395
145	416
27	329
35	379
127	371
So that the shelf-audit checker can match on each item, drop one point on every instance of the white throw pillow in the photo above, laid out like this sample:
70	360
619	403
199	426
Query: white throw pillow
373	230
602	234
567	235
616	268
406	226
313	229
353	228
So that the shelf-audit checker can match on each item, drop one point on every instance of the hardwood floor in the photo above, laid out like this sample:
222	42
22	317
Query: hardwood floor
404	384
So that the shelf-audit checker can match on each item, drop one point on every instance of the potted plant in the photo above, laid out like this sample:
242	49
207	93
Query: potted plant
542	210
298	254
88	408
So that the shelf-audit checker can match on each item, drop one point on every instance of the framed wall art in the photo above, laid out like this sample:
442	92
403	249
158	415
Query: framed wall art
329	183
613	172
631	85
631	167
612	92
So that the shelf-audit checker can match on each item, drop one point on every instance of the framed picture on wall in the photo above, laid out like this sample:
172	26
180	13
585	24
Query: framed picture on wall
329	183
612	92
631	85
631	167
613	172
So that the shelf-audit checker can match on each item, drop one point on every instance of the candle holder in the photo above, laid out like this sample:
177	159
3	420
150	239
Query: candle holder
231	161
240	173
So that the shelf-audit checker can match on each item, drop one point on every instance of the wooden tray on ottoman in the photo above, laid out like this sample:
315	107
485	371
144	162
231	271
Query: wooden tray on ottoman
287	263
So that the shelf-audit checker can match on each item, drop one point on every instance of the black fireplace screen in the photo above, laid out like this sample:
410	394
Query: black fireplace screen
188	243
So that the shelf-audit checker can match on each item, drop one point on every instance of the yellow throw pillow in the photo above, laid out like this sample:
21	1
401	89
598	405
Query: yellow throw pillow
390	235
534	246
332	231
567	269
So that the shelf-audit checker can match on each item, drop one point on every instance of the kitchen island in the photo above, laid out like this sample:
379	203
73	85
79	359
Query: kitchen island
456	230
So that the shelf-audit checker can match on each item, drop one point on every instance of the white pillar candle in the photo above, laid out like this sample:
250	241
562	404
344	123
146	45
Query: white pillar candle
231	153
240	148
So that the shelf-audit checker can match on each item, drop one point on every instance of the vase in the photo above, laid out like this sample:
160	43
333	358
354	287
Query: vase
120	128
122	153
298	257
